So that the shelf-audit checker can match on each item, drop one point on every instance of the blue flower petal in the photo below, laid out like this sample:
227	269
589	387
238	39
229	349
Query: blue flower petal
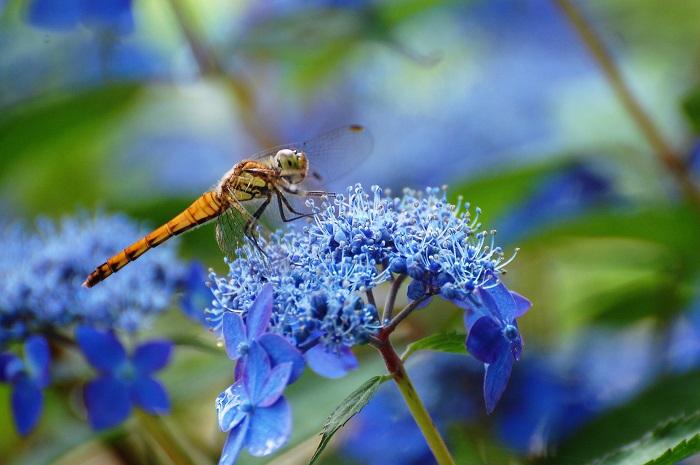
471	317
107	401
196	294
150	395
522	305
234	334
331	365
260	312
54	15
274	386
256	371
496	379
11	366
228	406
281	351
27	404
109	14
38	359
234	443
101	349
499	302
270	428
485	340
152	356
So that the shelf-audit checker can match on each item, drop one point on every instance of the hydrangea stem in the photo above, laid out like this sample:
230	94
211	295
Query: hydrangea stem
413	400
671	160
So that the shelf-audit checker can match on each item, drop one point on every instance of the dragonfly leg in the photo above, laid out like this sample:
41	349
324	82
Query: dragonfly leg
253	221
292	189
283	202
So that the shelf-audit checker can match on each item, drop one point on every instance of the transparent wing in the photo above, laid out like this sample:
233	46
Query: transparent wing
330	156
230	230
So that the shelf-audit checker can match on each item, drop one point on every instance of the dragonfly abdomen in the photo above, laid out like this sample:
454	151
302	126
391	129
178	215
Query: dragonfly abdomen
205	208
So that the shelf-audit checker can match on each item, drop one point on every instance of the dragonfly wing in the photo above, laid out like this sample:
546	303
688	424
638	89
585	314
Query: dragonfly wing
331	155
336	153
230	234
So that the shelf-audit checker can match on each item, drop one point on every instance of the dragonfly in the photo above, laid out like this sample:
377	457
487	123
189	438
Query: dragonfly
287	174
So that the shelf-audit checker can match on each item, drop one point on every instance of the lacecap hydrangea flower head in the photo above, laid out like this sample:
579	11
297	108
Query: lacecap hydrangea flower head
42	303
319	281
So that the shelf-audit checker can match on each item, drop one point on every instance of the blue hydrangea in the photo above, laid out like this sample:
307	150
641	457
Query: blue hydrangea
42	272
253	411
42	298
123	380
322	278
28	377
440	247
494	338
317	298
239	337
106	15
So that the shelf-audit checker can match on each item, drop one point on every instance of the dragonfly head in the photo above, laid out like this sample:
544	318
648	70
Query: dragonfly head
292	165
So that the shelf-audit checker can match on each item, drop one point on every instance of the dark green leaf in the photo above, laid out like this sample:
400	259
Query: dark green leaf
691	108
55	145
452	342
670	397
668	444
350	406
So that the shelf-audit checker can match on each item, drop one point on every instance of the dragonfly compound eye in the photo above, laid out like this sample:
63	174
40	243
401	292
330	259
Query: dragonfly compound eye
286	159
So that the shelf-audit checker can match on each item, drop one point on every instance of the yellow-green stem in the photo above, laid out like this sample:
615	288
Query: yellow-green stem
414	402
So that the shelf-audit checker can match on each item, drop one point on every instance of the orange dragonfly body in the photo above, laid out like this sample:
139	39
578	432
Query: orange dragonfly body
245	192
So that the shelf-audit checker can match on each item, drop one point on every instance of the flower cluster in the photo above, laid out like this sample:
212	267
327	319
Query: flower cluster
358	241
42	300
42	273
320	272
304	292
317	295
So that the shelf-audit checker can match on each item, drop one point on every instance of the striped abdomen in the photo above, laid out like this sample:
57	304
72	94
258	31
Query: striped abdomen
205	208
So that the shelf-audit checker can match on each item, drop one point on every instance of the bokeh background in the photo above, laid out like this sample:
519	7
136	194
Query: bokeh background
571	125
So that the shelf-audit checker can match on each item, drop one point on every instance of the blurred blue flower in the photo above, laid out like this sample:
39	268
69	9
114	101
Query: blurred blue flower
123	380
41	277
694	157
449	386
559	197
196	295
494	338
106	15
240	336
684	346
542	407
28	378
253	410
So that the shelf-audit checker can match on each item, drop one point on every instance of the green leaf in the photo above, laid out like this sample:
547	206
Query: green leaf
350	406
54	147
670	397
451	342
669	443
691	108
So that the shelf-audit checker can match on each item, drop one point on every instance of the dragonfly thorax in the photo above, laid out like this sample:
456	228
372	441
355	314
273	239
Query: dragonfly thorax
292	165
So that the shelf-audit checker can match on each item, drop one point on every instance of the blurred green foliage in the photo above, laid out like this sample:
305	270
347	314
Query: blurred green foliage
281	75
